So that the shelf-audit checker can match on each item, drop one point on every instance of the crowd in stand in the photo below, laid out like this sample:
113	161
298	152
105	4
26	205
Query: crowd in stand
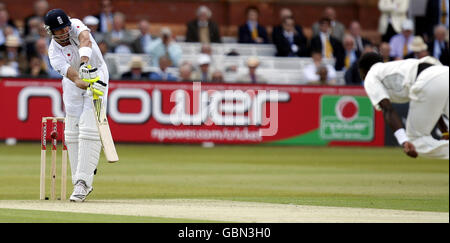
23	52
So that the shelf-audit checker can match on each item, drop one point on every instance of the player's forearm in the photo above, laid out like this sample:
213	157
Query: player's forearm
85	49
75	77
394	121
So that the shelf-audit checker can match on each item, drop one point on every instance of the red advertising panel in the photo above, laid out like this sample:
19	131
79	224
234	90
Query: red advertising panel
167	112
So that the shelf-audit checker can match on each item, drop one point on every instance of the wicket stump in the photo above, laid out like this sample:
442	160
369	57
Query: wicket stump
44	129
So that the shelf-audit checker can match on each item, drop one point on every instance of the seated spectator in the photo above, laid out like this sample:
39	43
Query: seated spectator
252	76
14	55
203	29
10	21
136	70
33	30
337	29
41	51
165	46
119	40
360	42
278	30
204	73
105	17
144	39
36	68
322	74
92	23
438	45
217	77
310	72
328	45
400	42
185	73
6	28
419	48
40	9
252	32
6	70
351	54
352	76
162	73
385	52
288	41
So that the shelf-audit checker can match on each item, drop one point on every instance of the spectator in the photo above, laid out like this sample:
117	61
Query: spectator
185	73
119	40
136	70
288	41
203	29
34	24
6	28
6	70
328	45
207	49
437	13
252	32
400	43
105	17
40	10
162	74
36	68
217	77
337	29
419	48
352	76
144	39
41	49
360	42
30	40
165	46
92	23
204	73
14	54
438	45
351	54
385	52
252	76
310	72
278	30
393	14
110	62
10	21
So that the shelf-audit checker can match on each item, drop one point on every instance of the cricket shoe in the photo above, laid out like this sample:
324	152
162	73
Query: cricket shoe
80	191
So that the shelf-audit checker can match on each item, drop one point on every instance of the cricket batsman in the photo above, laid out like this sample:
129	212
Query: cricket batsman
74	54
421	82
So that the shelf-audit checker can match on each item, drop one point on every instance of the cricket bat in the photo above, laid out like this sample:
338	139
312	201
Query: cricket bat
103	129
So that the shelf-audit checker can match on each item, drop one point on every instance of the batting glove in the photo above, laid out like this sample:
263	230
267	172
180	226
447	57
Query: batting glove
88	73
98	88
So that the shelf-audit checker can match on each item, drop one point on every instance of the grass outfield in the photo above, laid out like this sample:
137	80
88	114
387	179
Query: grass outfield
381	178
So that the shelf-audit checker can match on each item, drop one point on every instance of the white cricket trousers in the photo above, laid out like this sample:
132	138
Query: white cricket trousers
81	133
429	101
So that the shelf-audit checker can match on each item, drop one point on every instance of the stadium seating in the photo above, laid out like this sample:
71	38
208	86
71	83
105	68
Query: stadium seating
279	70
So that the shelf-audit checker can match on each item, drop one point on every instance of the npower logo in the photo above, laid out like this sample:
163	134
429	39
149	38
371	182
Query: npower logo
209	107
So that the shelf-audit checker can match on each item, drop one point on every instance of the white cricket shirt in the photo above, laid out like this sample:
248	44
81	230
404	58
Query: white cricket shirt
63	57
393	80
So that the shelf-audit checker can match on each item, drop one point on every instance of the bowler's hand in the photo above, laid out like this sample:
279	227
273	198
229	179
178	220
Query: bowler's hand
410	150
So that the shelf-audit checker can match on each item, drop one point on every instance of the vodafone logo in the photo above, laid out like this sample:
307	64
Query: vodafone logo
347	109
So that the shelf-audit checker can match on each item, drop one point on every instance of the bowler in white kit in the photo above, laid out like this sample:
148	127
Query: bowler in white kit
74	53
424	83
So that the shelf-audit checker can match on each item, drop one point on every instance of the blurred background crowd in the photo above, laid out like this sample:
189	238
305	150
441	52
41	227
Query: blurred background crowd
325	53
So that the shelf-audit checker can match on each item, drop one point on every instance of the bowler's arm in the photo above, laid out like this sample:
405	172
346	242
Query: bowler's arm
394	121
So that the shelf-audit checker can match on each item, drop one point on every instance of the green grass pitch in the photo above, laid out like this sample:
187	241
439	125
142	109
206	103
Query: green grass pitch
381	178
